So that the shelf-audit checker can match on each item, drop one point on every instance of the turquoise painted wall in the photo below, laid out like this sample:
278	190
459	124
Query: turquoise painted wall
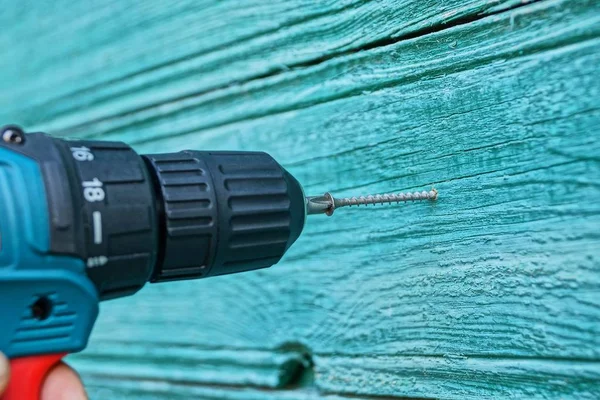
493	292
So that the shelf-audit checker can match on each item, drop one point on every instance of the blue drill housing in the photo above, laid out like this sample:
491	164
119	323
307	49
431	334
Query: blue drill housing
48	304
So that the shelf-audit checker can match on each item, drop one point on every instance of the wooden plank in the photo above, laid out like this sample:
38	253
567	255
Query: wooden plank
456	377
167	54
356	75
493	290
194	365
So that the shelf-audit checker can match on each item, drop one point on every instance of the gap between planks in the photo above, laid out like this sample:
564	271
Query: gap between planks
187	57
163	389
291	347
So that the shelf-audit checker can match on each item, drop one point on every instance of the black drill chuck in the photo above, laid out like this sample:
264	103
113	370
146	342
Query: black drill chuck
194	214
223	212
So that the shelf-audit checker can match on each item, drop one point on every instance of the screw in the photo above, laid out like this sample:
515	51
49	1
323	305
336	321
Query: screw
13	135
327	204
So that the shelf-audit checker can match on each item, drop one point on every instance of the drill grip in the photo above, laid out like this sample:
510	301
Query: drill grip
28	375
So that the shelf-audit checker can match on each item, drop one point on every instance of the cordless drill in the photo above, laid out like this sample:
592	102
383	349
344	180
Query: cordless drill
85	221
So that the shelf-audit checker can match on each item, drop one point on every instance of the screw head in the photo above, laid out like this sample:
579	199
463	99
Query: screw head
331	201
13	135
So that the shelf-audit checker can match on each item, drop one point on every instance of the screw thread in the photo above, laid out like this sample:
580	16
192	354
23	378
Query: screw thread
386	198
327	204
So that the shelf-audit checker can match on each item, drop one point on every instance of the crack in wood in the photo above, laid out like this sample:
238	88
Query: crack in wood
581	37
420	33
238	41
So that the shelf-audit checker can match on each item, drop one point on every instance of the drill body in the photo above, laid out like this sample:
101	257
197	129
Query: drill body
86	221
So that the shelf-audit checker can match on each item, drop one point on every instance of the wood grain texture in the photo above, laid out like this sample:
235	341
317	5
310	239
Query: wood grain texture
494	291
107	388
171	54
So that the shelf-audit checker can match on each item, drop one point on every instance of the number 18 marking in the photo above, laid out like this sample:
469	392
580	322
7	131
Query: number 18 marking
92	190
